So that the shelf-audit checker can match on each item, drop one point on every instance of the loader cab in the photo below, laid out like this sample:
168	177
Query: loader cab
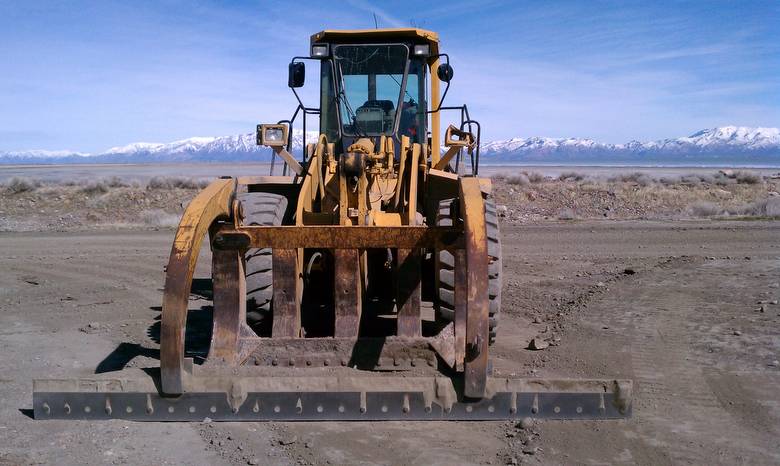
370	90
372	83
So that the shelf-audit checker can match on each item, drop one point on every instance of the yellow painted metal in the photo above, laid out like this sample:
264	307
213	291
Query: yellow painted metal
212	203
456	137
472	208
486	185
229	305
385	219
390	151
411	212
380	190
435	128
289	159
401	169
442	174
312	183
446	158
343	200
377	35
265	179
362	145
362	199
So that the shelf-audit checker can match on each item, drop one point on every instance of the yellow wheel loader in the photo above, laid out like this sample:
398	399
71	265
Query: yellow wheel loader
362	283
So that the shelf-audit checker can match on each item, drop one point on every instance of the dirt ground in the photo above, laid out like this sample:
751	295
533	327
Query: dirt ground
687	309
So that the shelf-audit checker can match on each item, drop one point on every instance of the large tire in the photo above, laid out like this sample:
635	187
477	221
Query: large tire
262	209
445	265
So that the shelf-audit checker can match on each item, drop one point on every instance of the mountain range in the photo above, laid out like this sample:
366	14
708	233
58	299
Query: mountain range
727	145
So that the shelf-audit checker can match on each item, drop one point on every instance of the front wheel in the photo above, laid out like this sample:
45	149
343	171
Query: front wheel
445	264
262	209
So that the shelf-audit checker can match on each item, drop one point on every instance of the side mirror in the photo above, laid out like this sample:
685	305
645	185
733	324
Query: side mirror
297	74
445	72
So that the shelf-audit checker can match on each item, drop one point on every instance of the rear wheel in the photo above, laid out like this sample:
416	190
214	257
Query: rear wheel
261	209
445	265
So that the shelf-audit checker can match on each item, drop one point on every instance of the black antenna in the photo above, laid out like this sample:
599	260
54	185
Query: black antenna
376	25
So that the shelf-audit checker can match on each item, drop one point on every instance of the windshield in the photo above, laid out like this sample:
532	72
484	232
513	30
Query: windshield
369	87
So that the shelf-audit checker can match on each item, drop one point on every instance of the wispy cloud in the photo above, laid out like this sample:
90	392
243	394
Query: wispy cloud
387	20
91	75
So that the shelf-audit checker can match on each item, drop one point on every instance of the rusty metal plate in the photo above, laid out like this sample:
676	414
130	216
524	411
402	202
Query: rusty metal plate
339	237
380	353
322	406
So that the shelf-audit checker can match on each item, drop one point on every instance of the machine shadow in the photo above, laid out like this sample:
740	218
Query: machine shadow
122	355
197	340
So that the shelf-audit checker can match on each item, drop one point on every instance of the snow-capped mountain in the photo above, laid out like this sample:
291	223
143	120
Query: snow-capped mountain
728	144
238	148
40	154
720	146
204	147
242	147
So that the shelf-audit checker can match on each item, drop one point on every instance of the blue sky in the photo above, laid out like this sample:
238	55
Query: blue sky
92	75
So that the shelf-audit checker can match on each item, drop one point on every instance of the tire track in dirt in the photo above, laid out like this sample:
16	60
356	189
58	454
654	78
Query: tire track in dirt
676	406
679	416
75	276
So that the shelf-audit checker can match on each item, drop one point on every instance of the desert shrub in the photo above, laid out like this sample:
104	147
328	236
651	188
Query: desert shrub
176	182
519	179
637	177
159	218
571	176
709	179
624	177
772	207
95	187
644	180
697	179
593	186
524	178
746	177
535	177
160	182
498	177
704	209
693	180
567	214
21	184
722	180
769	207
116	182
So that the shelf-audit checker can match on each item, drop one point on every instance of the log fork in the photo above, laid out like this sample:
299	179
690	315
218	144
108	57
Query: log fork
232	385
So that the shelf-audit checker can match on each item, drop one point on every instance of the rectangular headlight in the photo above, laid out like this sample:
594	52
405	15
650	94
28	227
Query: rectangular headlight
271	135
421	50
319	50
